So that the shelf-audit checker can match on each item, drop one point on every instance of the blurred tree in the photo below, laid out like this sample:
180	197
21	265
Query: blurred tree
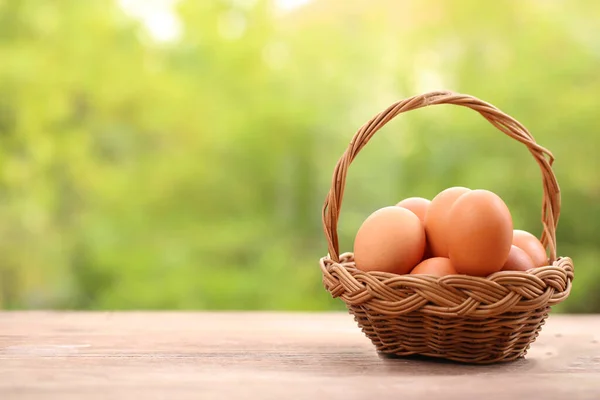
190	173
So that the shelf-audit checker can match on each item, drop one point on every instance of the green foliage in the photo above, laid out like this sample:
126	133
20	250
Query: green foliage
139	174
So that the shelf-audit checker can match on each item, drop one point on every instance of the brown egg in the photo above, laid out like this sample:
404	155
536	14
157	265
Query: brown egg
532	246
437	217
438	266
518	260
392	239
479	233
417	205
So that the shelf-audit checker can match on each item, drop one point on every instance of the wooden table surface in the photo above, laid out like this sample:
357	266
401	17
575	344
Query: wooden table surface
268	356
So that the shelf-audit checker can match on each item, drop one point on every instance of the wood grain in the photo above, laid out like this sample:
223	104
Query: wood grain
54	355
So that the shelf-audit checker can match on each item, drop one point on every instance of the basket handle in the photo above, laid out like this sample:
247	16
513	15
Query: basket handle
505	123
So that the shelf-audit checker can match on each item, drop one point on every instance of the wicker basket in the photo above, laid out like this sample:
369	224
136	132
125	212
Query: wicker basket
458	317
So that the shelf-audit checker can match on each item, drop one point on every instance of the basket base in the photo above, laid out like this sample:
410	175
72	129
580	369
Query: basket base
465	340
420	358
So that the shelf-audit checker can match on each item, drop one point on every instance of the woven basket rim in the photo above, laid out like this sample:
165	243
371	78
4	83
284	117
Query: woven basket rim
450	296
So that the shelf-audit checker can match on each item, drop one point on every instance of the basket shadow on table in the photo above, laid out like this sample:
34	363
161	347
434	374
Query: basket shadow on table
417	364
368	362
363	363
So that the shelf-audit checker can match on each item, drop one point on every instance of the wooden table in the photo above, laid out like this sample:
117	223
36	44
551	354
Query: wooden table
268	356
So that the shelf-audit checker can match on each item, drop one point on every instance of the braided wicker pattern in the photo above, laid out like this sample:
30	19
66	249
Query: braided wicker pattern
458	317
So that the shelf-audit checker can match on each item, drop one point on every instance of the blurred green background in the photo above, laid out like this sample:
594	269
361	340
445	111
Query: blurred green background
176	154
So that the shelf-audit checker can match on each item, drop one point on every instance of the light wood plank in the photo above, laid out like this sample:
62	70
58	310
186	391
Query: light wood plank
268	356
